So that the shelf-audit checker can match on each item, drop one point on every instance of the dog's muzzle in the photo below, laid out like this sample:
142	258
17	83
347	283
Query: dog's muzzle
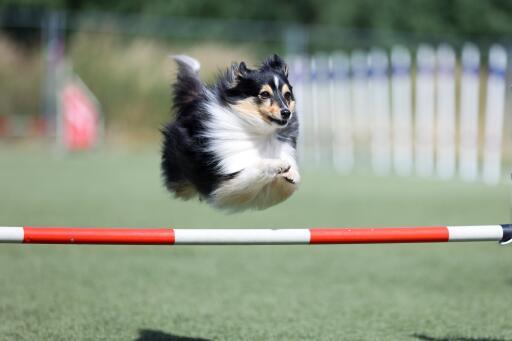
285	116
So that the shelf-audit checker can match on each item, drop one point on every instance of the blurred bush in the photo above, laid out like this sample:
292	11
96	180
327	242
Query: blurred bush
131	77
454	17
21	74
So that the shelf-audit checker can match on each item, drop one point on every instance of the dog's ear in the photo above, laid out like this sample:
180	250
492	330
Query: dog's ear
239	70
242	70
236	72
277	63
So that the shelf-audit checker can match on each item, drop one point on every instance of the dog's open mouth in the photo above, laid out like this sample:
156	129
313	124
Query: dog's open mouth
277	121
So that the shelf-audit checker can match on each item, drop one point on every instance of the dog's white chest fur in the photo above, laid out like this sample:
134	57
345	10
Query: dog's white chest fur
265	168
239	143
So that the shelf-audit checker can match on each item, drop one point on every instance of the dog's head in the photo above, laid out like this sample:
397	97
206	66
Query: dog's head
264	93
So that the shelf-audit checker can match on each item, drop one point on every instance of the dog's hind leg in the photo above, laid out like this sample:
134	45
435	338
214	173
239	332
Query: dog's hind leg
245	186
184	190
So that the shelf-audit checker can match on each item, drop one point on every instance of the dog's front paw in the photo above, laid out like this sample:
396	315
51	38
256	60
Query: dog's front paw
291	175
277	167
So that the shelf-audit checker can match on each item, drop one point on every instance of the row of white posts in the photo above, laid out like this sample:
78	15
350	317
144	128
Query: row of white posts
420	117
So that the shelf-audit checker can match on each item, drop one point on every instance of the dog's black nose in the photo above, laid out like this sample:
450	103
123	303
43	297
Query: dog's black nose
285	114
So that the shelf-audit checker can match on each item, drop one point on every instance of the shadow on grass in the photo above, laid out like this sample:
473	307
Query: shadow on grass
157	335
424	337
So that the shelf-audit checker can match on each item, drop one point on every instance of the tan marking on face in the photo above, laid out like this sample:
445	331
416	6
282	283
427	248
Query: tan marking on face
291	104
268	107
249	107
267	88
285	89
246	106
274	110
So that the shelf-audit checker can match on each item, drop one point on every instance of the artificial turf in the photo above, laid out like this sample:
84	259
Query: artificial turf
433	292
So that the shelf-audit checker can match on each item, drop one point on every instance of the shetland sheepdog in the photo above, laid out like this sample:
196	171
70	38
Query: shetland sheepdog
233	142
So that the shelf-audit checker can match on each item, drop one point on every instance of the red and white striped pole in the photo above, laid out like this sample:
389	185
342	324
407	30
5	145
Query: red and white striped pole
430	234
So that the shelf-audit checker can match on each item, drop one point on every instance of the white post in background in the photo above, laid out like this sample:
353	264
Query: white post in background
469	112
322	110
446	155
494	110
402	107
359	68
298	72
313	139
380	111
339	93
425	64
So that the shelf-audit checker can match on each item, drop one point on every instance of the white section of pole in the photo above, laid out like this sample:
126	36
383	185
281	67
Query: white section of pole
475	233
241	236
11	234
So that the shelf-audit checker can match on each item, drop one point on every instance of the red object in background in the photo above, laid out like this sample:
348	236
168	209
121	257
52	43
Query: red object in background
80	118
4	125
38	126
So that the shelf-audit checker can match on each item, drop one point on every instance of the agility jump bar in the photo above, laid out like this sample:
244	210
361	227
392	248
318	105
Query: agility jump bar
167	236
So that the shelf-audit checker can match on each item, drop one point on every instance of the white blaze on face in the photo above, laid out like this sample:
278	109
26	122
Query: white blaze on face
279	93
276	82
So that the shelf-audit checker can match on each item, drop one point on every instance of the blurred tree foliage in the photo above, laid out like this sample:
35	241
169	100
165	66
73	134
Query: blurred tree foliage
459	18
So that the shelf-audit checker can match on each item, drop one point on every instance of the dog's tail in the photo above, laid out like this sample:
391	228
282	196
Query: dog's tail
188	88
187	64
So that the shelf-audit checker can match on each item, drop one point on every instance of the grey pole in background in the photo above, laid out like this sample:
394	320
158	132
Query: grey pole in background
53	24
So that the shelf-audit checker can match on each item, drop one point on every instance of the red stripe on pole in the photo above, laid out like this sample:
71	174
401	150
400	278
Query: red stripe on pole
379	235
61	235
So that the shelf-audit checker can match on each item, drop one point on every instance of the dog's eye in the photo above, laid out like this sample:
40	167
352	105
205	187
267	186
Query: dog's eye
264	94
288	95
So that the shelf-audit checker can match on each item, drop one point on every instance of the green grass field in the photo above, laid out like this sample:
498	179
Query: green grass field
433	292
